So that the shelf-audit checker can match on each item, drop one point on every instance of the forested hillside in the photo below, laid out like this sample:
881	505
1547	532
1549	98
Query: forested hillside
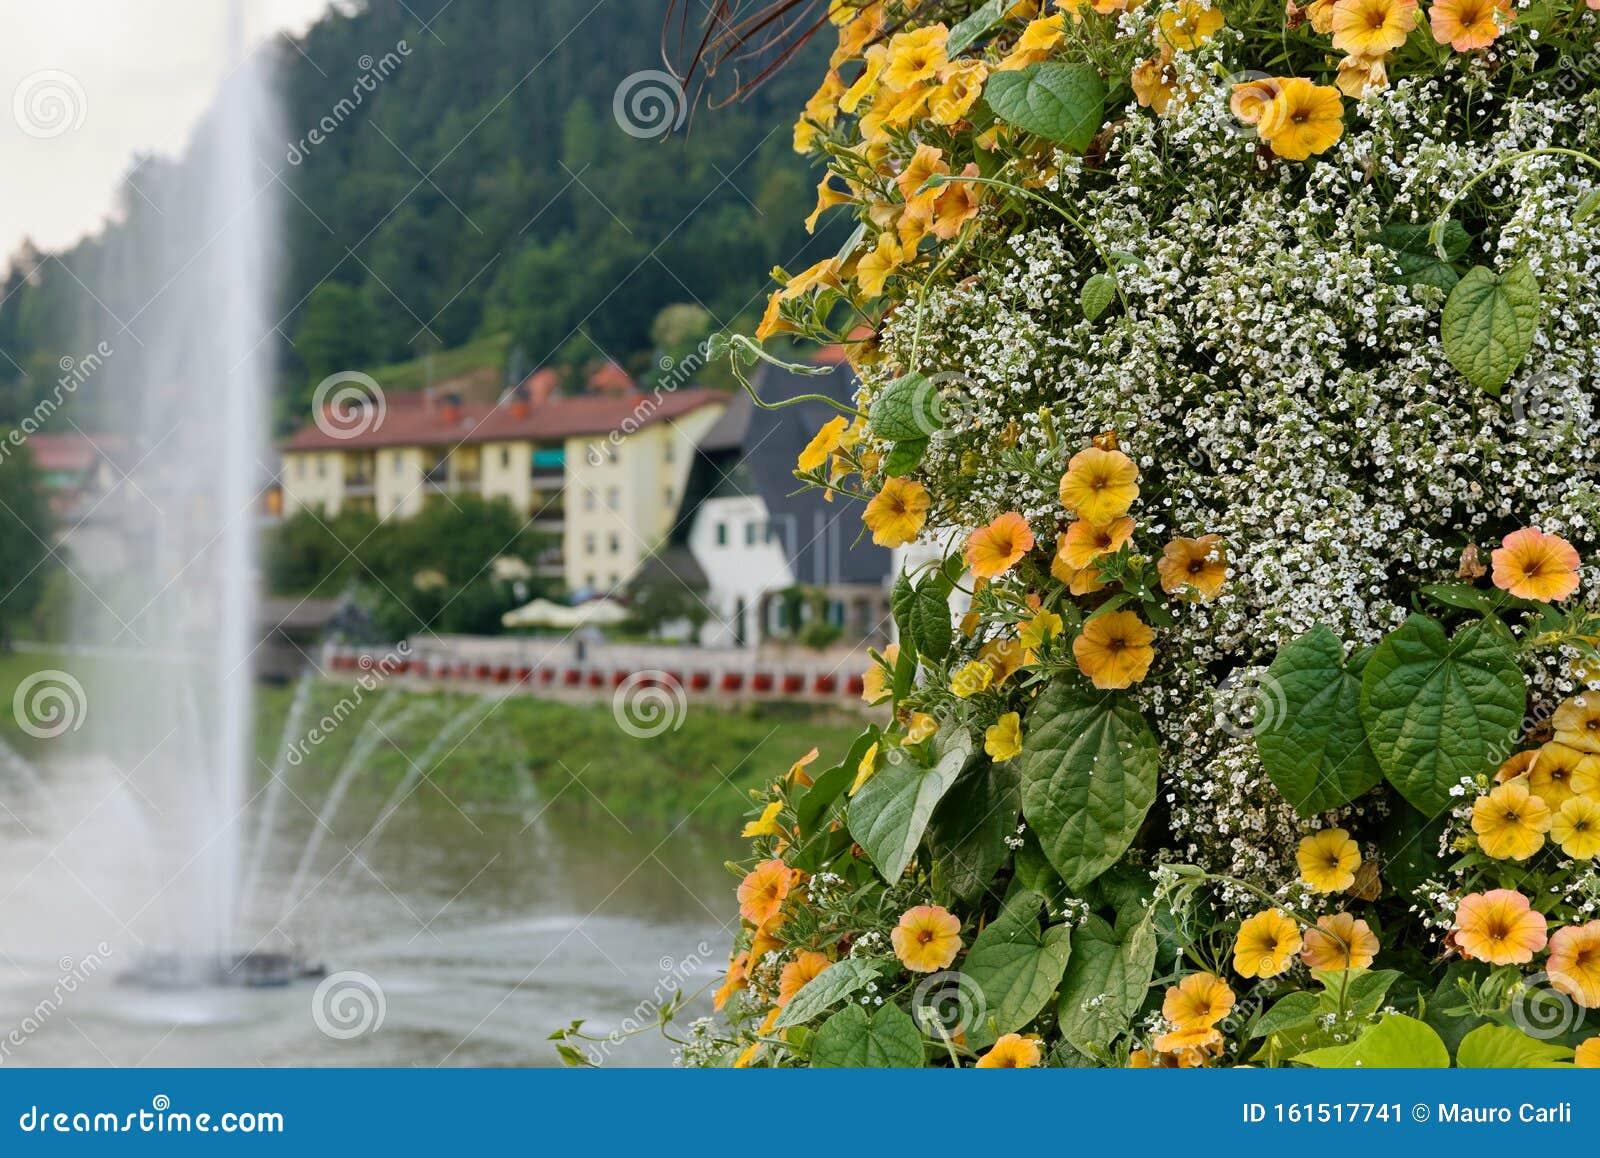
480	186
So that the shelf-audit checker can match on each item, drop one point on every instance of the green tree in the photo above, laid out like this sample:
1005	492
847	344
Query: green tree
26	529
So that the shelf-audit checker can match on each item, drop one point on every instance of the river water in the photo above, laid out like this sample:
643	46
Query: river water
463	937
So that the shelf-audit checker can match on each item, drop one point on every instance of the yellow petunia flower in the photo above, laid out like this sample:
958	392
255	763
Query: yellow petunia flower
920	727
1328	860
1191	1041
995	549
874	268
822	444
1010	1051
1200	999
1517	765
1033	633
926	162
797	771
960	84
738	978
1576	827
1339	942
827	198
1510	822
896	513
866	85
1466	25
927	938
1154	83
1588	1054
875	680
1303	119
1114	650
1006	657
1002	740
972	679
1533	565
1577	723
1100	485
1372	28
767	823
1251	98
1359	74
865	769
1498	927
1035	44
1088	541
916	56
1198	567
1265	944
1190	25
1554	768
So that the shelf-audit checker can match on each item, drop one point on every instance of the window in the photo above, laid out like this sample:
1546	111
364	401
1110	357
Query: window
399	461
671	497
589	543
505	458
614	544
614	579
611	452
614	498
666	453
300	467
722	534
589	500
588	580
322	467
750	530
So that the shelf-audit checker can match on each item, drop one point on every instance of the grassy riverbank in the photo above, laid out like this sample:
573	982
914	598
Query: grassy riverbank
570	758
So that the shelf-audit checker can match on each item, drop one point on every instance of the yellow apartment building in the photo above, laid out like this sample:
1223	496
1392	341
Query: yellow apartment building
604	474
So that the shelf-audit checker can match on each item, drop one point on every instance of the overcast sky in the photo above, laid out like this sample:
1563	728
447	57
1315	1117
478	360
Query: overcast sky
87	84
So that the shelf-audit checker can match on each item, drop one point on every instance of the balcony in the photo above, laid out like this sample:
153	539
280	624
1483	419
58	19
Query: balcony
359	484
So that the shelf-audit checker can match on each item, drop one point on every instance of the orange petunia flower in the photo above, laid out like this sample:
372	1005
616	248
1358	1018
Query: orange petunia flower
1011	1051
1086	541
1468	24
738	978
927	938
1303	119
797	973
896	513
1372	28
1574	965
1200	999
995	549
1339	942
1197	565
761	893
1533	565
1499	927
1114	650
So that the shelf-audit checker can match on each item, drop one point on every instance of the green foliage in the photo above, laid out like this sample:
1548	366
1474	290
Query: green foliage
1312	742
891	811
1418	259
1489	323
907	410
1396	1042
26	528
852	1038
1065	103
1017	964
1437	709
922	612
1088	778
972	823
835	983
1493	1047
1106	980
1097	294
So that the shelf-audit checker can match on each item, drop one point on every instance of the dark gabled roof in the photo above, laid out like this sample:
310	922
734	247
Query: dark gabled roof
825	542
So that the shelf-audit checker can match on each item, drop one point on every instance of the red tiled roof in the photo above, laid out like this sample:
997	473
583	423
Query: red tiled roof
409	424
69	451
